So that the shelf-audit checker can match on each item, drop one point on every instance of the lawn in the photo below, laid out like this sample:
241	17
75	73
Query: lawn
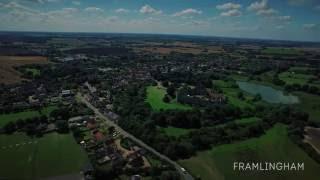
155	96
51	155
175	132
274	146
5	118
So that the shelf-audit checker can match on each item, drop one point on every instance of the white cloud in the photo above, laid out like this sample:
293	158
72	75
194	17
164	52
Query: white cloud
267	12
256	6
285	18
280	27
61	14
77	3
122	10
18	7
299	2
310	26
262	8
93	9
111	19
228	6
43	1
147	9
232	12
188	12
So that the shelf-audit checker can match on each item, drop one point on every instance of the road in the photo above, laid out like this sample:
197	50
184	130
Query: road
185	175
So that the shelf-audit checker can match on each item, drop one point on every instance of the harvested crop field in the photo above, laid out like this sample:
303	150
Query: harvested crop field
8	74
312	137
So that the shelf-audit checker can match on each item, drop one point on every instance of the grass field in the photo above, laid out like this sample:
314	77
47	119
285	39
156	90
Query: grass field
249	120
175	132
310	104
155	96
217	163
5	118
281	51
232	94
51	155
291	78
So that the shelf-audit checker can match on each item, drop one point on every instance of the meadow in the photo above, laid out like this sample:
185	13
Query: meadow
274	146
231	92
155	96
175	132
23	157
311	104
12	117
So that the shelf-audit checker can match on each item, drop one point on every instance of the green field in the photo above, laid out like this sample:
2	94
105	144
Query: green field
249	120
175	132
292	78
275	145
281	51
35	72
53	154
155	96
310	104
232	93
5	118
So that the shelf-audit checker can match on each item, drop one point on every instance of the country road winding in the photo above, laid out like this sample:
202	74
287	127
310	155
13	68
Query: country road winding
185	175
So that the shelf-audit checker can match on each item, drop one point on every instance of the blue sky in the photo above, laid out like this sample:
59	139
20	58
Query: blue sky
267	19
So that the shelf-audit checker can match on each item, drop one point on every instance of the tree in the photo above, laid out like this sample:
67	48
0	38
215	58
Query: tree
166	99
169	175
165	83
257	97
240	95
9	127
62	126
171	91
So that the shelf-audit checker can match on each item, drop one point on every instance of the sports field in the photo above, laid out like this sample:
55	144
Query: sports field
53	154
155	96
275	145
5	118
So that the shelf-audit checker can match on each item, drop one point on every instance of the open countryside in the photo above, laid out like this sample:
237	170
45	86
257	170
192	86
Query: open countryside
273	146
159	90
50	155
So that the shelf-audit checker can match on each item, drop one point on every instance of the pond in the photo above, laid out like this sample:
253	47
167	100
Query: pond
267	93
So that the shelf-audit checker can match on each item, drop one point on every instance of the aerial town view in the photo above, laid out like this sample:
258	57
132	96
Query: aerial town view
159	90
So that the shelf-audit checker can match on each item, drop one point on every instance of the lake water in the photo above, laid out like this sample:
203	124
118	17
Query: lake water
268	93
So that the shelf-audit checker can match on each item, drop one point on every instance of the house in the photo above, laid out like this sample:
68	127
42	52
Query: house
104	160
66	93
135	177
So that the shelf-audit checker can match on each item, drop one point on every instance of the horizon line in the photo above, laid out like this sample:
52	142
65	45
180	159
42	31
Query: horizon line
170	34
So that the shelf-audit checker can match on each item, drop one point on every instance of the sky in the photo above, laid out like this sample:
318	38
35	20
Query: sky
265	19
